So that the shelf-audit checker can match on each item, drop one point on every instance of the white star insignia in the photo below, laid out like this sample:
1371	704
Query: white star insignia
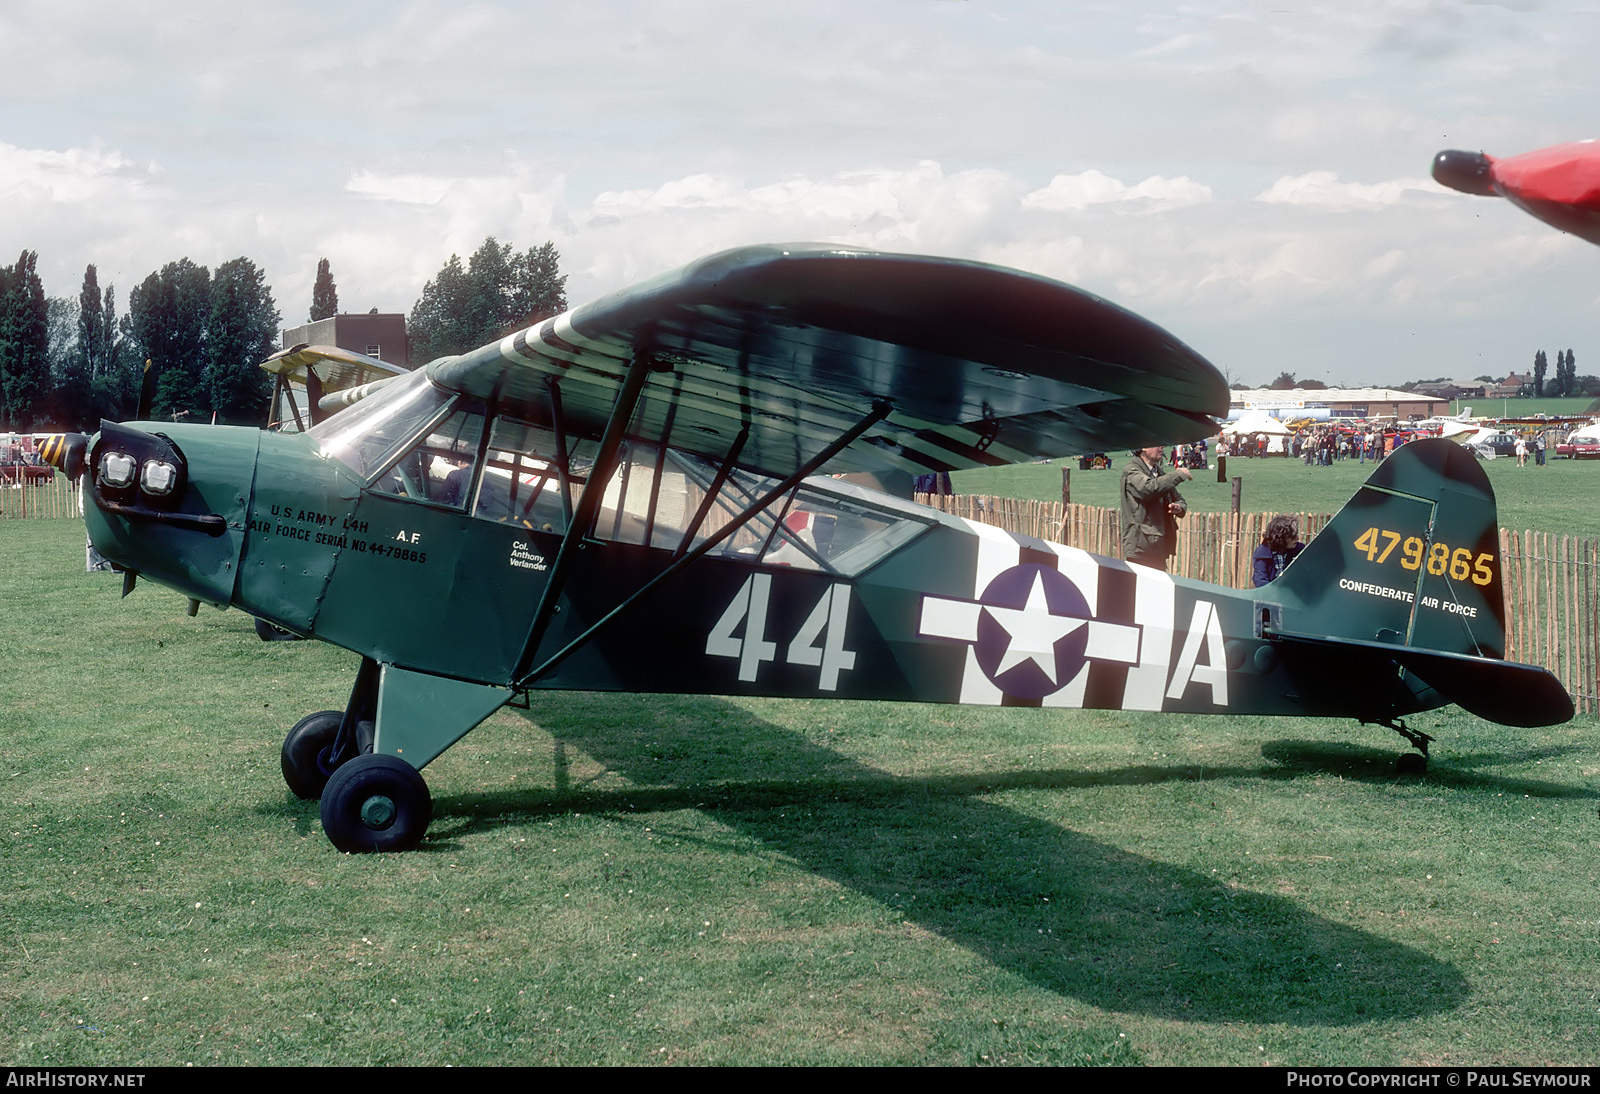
1034	631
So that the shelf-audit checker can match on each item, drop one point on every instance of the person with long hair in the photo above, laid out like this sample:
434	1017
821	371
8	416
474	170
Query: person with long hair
1279	547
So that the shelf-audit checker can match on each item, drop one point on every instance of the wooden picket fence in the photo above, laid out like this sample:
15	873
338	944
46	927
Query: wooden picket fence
1551	582
1552	589
55	497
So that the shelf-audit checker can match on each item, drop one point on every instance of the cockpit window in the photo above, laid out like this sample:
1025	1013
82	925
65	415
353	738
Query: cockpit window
438	467
521	481
365	435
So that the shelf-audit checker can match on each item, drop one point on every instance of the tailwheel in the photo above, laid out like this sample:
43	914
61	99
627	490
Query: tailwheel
376	803
1409	763
306	753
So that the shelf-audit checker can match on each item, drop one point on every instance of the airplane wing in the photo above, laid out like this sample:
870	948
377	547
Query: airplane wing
322	371
336	368
1560	185
779	350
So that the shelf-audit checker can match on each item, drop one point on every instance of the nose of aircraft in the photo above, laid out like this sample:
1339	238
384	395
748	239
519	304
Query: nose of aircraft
1464	171
168	505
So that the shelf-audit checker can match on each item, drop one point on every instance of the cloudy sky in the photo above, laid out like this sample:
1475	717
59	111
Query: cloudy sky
1254	177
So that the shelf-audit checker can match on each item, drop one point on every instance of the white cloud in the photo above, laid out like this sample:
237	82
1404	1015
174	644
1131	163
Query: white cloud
1075	193
1323	190
69	176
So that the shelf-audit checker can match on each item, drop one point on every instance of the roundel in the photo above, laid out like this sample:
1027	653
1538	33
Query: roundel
1031	634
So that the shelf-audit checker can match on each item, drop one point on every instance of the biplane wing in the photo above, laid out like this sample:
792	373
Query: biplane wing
1560	185
318	372
778	350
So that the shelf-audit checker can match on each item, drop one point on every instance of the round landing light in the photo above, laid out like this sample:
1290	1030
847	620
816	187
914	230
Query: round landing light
117	470
158	477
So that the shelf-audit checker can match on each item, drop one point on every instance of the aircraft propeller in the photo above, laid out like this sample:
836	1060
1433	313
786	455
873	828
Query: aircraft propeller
65	452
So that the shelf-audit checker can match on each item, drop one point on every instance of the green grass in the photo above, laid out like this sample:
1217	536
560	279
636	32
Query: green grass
1552	498
638	880
1526	408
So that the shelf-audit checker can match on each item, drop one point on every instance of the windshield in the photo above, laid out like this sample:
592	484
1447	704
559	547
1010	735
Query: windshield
362	436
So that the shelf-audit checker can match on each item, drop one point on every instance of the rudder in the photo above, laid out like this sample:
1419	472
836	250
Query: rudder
1412	559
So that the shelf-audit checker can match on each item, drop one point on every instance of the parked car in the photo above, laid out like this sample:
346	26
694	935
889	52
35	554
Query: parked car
1582	444
17	474
1496	444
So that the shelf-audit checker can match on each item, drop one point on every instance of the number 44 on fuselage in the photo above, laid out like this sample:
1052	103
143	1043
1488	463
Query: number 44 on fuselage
640	495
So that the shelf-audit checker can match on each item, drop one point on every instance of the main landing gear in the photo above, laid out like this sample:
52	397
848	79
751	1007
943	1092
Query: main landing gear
1409	763
370	802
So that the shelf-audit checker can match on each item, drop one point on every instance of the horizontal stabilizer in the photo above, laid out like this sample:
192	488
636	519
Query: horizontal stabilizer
1506	692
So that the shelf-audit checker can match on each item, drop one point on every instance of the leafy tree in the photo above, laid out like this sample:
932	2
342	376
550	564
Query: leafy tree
541	287
116	382
438	324
496	292
93	337
24	342
1284	382
241	332
1540	364
82	356
324	294
167	315
70	403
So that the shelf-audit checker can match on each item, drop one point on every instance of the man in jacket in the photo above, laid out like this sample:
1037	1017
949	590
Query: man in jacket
1150	509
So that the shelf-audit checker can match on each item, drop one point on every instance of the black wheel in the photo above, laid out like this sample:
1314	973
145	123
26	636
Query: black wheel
305	753
1412	763
376	803
269	633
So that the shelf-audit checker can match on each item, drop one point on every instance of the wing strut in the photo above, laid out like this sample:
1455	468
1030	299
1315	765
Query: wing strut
605	461
713	490
880	410
563	477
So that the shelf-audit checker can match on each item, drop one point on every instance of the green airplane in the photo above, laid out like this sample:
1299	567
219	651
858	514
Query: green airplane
642	494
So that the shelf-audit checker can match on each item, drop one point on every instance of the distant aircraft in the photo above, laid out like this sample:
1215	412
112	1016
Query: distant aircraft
636	496
1560	185
310	375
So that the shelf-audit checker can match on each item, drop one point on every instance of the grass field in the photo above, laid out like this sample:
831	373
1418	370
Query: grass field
639	880
1523	408
1557	497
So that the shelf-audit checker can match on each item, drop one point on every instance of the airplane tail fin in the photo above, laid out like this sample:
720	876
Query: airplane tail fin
1409	572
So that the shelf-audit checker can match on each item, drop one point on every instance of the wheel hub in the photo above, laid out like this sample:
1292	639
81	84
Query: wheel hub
378	812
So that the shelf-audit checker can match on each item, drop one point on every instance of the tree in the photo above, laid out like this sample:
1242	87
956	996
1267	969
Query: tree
71	398
166	325
542	287
241	332
324	294
78	354
496	292
1540	364
24	342
116	384
92	334
1284	382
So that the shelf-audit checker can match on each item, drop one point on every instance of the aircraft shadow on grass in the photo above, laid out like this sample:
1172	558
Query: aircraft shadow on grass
1453	770
1111	928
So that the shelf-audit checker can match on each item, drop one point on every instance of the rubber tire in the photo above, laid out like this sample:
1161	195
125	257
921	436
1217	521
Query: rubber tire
370	779
1411	763
304	770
